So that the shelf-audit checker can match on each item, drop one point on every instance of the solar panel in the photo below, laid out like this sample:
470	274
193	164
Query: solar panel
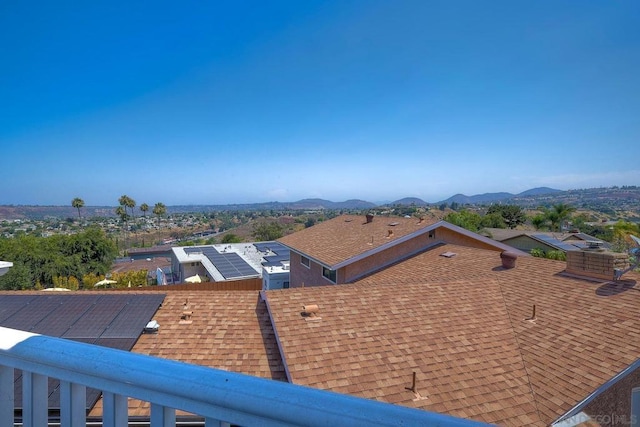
114	321
276	247
554	242
230	265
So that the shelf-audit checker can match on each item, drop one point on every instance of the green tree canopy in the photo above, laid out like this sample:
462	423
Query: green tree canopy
231	238
512	215
264	231
43	259
465	219
144	208
77	203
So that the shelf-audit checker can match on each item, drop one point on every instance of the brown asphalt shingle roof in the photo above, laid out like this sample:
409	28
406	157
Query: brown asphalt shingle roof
230	330
460	324
347	236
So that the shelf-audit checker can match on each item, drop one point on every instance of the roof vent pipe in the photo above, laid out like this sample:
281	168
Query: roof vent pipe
369	218
508	259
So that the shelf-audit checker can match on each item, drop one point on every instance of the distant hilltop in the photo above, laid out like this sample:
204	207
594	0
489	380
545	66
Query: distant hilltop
609	198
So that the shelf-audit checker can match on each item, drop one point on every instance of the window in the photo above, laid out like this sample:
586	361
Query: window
305	261
285	285
432	234
329	274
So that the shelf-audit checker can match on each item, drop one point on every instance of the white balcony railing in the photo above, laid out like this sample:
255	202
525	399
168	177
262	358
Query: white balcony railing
219	397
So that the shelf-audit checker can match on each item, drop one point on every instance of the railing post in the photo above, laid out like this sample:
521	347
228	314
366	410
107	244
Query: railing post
210	422
634	421
6	396
162	416
73	402
114	410
35	400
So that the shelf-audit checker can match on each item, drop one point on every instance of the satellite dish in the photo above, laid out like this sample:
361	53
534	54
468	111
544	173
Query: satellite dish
635	254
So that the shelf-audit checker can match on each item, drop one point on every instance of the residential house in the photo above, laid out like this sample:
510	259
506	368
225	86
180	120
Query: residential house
526	240
446	326
348	247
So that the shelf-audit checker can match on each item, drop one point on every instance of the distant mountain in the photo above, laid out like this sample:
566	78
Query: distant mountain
480	199
539	191
327	204
409	201
609	199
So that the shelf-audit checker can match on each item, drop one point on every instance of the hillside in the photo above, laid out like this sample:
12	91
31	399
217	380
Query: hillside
606	200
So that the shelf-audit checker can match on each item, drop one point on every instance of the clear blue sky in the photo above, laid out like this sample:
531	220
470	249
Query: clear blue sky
207	102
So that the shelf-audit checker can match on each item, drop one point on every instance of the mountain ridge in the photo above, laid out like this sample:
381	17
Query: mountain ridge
609	197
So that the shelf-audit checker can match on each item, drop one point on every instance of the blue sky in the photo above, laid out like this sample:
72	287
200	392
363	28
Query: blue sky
204	102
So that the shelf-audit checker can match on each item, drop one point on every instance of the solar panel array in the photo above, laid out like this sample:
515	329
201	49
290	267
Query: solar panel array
554	242
114	321
281	253
229	264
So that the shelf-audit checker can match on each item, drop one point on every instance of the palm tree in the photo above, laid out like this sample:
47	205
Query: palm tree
77	203
121	211
127	202
144	208
562	213
557	215
159	209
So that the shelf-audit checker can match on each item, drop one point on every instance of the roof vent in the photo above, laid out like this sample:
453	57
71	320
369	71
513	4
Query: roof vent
369	218
310	312
448	254
152	327
508	259
594	244
186	314
393	224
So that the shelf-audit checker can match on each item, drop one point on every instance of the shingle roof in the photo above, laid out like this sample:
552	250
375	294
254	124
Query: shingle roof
229	330
460	324
347	236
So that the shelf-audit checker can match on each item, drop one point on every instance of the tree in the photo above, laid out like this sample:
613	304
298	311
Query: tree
144	208
538	221
465	219
127	202
77	203
558	214
231	238
159	210
267	231
512	215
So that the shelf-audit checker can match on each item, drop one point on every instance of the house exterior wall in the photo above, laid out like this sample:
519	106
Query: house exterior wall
277	280
526	243
302	275
455	238
386	257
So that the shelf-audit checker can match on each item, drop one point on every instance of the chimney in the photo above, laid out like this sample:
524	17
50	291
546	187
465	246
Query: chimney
508	259
596	262
389	233
369	218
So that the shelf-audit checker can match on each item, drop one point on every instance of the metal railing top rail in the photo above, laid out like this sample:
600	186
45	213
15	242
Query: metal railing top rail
211	393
